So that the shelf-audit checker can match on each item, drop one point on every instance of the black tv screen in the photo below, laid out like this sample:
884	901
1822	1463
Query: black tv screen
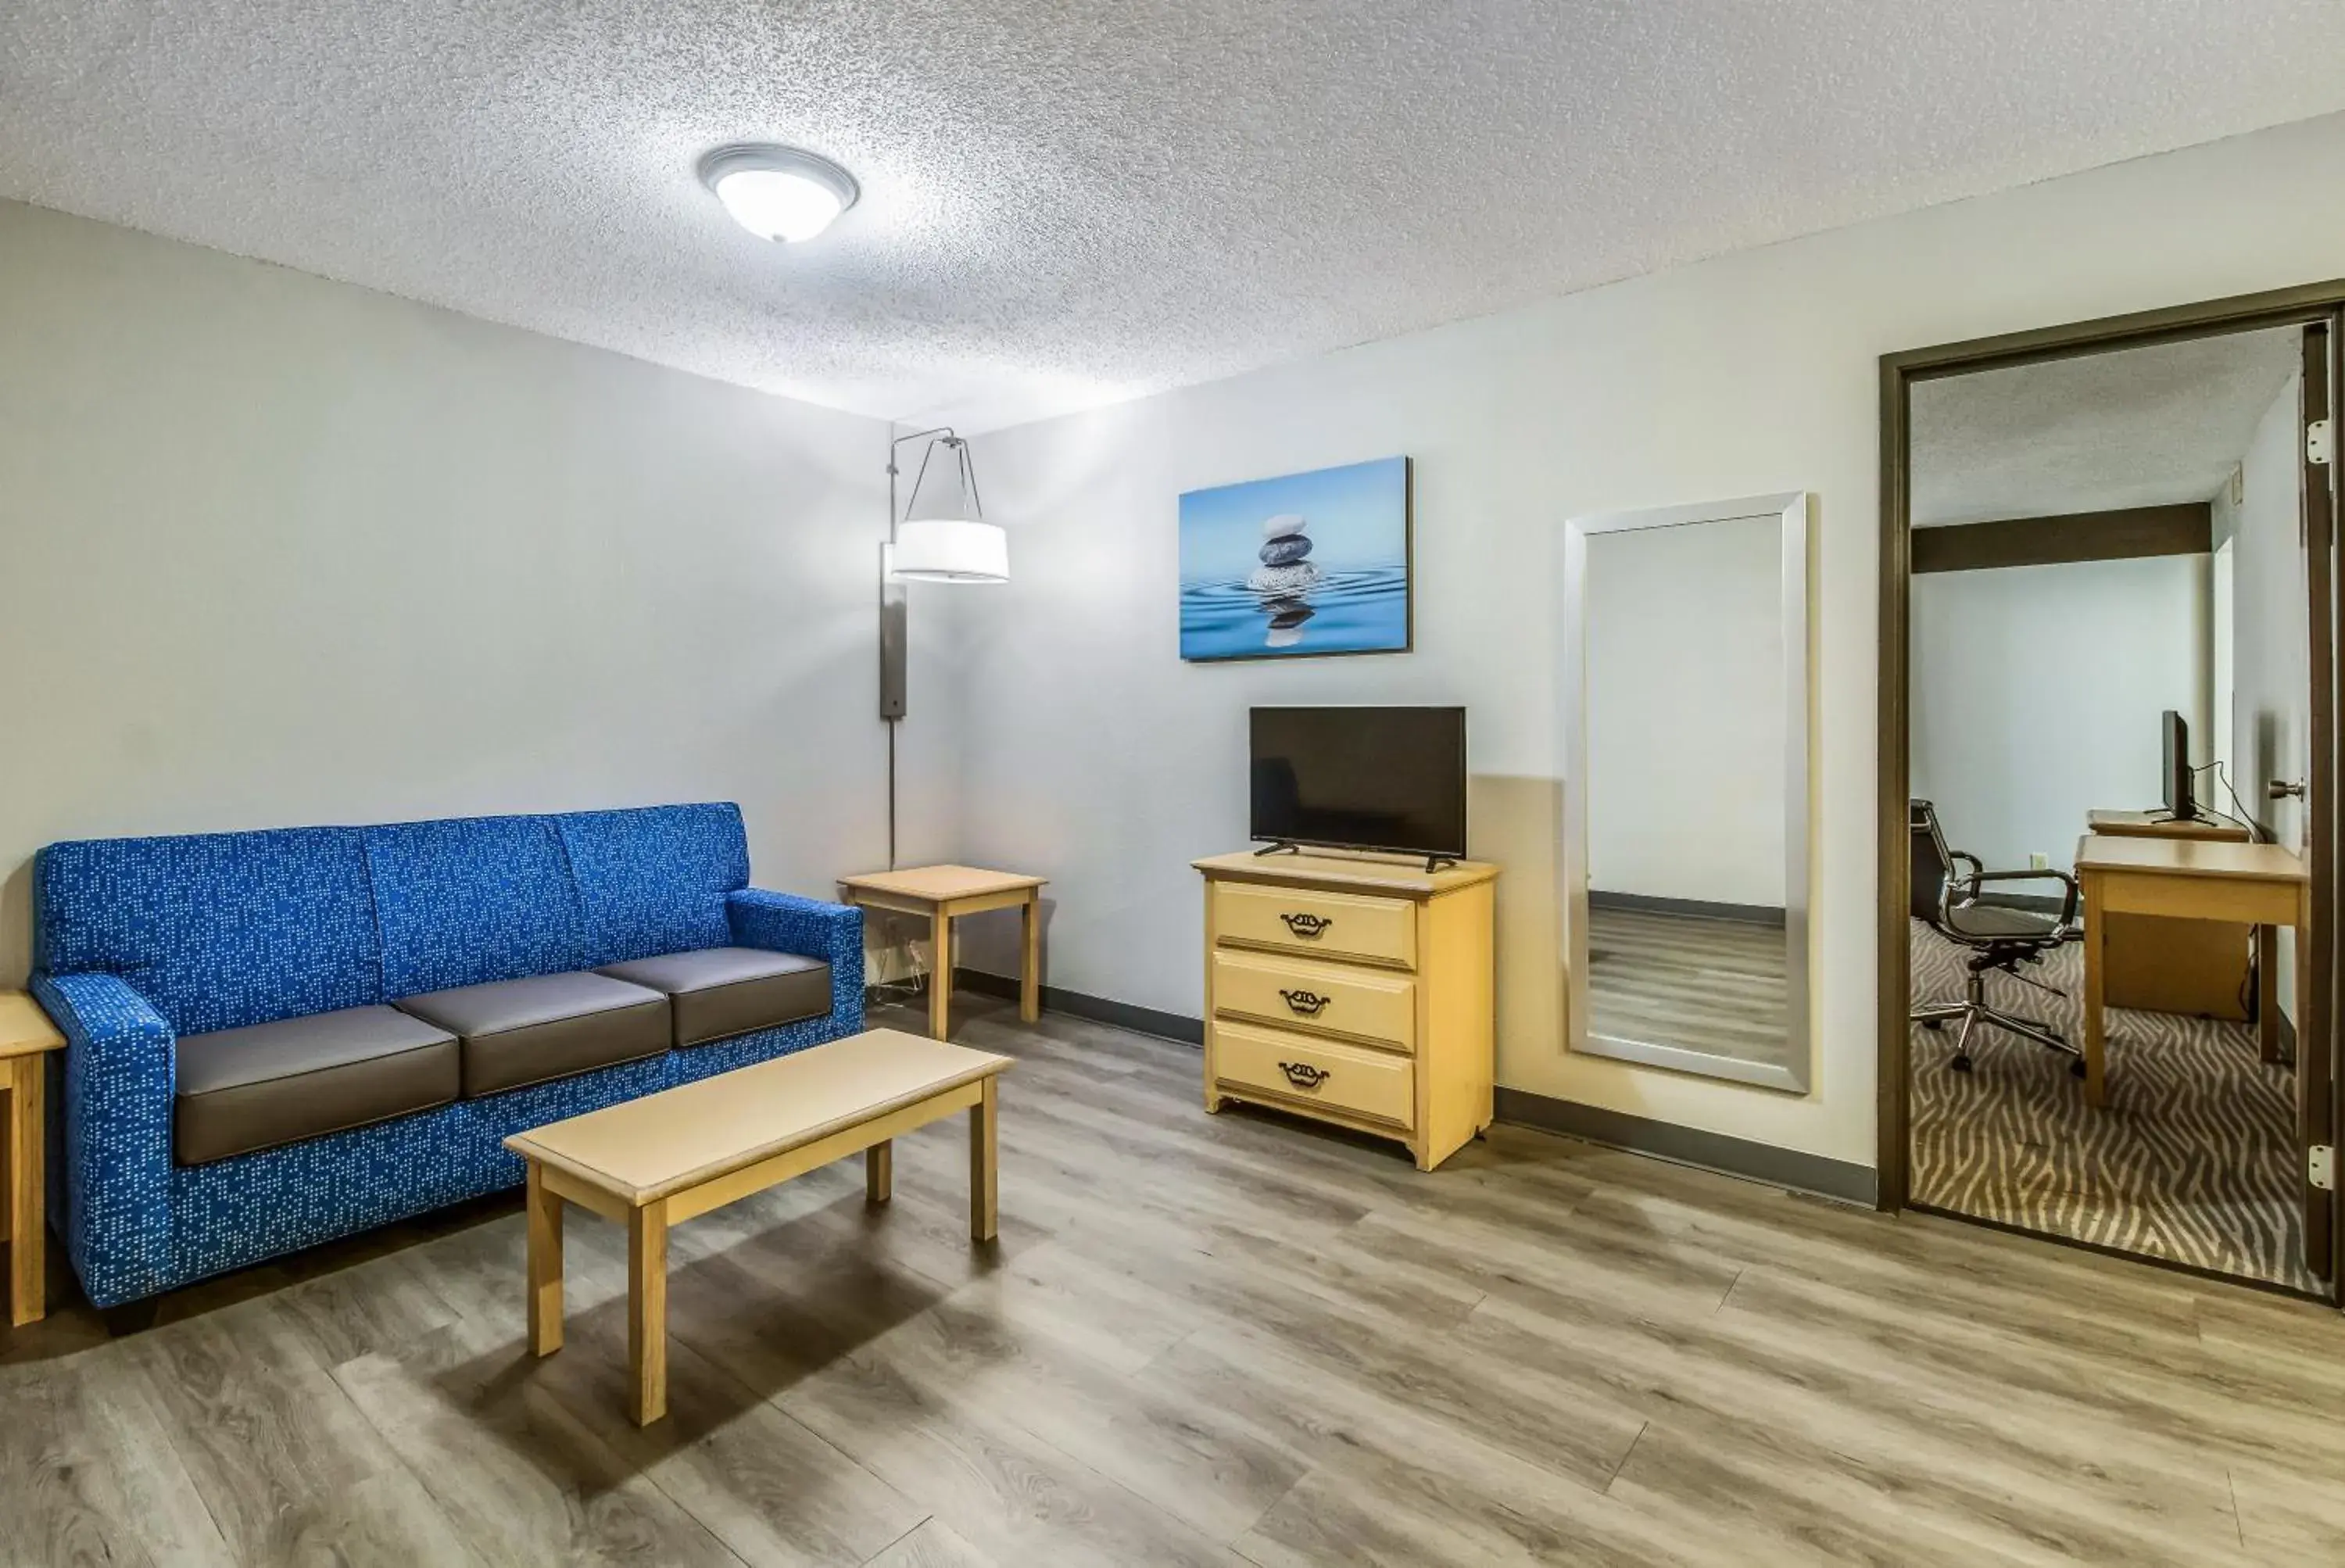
1391	778
2175	736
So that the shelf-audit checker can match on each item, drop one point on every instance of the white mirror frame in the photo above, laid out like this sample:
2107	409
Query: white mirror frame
1792	507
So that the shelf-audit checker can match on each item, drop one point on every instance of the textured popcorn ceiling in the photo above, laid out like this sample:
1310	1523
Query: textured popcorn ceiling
1067	201
2135	427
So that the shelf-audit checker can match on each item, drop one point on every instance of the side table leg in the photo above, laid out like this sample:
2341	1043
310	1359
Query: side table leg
940	974
1030	959
25	1180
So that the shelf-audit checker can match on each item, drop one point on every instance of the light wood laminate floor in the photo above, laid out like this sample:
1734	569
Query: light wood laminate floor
1693	981
1200	1339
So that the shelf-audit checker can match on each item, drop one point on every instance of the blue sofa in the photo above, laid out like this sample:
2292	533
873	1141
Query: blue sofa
141	944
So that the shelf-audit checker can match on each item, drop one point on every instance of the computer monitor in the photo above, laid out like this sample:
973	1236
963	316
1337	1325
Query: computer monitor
2181	804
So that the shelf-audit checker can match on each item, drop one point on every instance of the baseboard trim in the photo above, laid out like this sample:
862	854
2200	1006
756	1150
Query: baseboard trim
1690	1147
1702	908
1098	1009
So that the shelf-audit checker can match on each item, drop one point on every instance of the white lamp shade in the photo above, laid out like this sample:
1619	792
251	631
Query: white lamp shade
951	550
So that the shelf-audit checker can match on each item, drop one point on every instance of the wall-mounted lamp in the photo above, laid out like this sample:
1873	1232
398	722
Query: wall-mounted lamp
945	539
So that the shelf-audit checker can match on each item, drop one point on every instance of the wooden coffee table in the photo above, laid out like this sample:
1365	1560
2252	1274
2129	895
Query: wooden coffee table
940	894
649	1163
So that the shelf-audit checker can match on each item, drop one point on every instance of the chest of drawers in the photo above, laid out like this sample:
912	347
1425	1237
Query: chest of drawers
1354	991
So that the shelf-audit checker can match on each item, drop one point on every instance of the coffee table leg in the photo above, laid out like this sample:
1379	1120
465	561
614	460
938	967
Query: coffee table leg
879	1172
984	1192
648	1308
545	1265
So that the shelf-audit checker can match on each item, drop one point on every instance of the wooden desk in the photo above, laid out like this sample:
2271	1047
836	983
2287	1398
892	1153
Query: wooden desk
2195	968
2260	885
27	1037
652	1163
940	894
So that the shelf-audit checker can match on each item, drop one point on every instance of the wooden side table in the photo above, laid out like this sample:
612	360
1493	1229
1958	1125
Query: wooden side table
27	1037
939	893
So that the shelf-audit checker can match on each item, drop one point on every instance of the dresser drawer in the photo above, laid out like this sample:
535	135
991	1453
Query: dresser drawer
1280	1066
1370	1004
1296	919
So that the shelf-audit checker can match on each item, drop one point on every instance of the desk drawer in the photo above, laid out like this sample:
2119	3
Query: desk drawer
1375	1006
1298	919
1296	1069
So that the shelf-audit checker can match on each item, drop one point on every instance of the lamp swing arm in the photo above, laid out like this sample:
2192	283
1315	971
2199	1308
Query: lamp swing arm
896	445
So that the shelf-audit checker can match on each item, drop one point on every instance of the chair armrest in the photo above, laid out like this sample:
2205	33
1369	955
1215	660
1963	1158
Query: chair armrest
2068	898
785	923
120	1071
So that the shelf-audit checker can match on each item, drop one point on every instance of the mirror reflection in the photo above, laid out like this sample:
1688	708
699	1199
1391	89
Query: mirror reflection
1691	935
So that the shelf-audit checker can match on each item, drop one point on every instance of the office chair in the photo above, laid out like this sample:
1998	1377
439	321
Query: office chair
1949	897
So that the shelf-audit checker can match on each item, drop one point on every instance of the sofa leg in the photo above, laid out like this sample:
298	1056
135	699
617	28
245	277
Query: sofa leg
130	1318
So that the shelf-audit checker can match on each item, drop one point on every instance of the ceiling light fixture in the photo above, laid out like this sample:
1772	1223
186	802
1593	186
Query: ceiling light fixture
778	192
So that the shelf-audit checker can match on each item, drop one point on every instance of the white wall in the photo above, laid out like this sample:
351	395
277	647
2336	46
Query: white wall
2036	692
1685	712
279	550
2272	660
1096	758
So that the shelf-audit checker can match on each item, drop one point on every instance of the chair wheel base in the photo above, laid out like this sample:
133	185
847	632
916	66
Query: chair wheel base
1959	1064
1933	1023
2076	1068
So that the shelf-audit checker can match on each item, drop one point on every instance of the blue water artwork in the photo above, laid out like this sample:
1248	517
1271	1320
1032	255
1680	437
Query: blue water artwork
1307	564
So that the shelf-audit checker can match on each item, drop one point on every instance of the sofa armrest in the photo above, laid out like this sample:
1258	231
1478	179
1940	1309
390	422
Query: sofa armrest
119	1076
785	923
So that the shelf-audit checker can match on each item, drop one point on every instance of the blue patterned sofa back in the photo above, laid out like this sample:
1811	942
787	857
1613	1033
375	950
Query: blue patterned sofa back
654	879
473	898
222	930
217	930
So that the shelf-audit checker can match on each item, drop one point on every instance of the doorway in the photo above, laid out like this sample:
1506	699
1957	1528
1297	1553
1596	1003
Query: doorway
2108	810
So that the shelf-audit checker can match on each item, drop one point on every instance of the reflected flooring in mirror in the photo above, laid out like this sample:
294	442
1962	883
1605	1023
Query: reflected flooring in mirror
2193	1160
1691	981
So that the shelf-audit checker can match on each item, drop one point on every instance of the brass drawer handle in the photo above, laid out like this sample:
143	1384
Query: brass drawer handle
1309	927
1306	1003
1303	1074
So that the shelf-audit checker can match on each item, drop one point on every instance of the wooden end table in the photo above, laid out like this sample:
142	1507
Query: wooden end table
649	1163
941	893
27	1037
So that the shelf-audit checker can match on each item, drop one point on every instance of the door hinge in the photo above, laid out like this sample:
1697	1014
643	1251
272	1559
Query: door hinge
2317	443
2320	1166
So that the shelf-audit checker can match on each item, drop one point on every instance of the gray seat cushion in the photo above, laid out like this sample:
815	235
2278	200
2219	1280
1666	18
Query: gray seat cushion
245	1089
1986	920
720	991
516	1033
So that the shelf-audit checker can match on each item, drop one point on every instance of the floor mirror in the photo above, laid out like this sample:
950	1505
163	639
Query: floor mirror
1686	794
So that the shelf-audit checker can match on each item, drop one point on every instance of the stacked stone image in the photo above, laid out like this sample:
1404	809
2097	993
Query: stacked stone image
1284	577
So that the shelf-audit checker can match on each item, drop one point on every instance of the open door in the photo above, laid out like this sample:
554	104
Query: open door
2318	947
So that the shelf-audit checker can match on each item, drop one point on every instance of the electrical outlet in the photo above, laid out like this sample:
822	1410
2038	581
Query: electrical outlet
2037	860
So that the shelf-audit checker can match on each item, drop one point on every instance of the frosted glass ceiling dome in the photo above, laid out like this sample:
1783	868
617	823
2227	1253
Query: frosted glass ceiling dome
780	193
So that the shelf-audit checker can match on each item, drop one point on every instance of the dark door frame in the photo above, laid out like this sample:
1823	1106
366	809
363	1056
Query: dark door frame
2303	306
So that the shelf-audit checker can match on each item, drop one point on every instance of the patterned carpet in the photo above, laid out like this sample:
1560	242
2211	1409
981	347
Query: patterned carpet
2193	1160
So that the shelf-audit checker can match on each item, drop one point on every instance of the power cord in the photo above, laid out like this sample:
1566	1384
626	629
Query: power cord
2244	821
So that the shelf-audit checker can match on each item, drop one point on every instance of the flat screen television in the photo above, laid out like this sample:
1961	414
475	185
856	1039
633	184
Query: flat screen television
1391	779
2181	806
